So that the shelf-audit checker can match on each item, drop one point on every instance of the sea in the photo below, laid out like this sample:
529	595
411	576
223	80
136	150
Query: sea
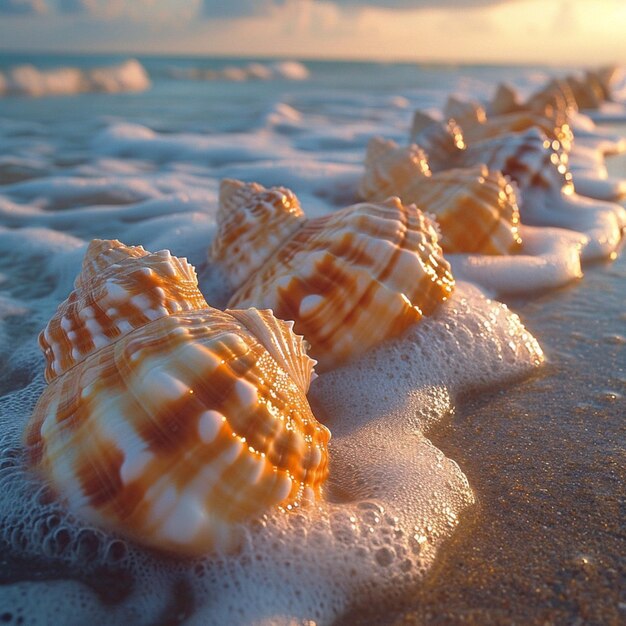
477	462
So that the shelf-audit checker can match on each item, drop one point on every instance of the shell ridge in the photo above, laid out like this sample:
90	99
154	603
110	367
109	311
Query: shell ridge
277	336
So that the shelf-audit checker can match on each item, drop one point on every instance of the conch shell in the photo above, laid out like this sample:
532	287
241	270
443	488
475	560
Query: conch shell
476	208
528	158
560	96
442	141
350	279
478	126
168	420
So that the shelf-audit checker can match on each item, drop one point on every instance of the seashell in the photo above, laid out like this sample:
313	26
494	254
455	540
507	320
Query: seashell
555	101
476	208
390	169
252	222
560	97
528	158
464	111
442	141
588	91
505	100
607	77
184	423
600	90
353	278
517	122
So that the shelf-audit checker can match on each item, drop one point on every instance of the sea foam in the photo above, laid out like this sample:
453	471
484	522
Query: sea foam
27	80
285	70
392	500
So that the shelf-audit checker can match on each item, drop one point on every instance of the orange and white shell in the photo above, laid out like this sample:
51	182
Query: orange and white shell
527	158
477	126
443	141
181	425
248	237
559	97
476	208
353	278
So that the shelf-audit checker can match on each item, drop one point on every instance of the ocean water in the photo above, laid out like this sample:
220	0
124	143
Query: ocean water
406	497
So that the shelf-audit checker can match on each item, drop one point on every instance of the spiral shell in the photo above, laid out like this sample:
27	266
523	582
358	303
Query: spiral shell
528	158
607	76
559	97
353	278
556	95
443	141
118	289
465	112
179	427
476	208
478	126
252	222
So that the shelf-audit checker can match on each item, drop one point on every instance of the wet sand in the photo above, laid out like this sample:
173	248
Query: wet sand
546	543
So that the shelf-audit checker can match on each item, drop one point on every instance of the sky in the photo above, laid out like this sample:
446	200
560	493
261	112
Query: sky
543	31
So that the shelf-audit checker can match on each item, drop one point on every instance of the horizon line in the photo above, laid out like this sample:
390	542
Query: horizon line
322	59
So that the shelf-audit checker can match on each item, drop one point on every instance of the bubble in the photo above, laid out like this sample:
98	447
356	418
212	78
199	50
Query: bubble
384	556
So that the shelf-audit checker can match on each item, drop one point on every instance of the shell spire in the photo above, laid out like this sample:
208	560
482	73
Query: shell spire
252	222
119	288
441	140
178	429
102	253
390	168
463	111
505	100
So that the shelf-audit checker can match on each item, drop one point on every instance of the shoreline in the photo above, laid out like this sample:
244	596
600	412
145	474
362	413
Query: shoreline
545	459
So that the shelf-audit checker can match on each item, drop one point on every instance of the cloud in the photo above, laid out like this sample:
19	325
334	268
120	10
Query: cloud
238	8
254	8
149	11
22	7
417	4
100	8
77	6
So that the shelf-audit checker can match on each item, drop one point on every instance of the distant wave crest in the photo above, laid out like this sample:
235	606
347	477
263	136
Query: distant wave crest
27	80
281	70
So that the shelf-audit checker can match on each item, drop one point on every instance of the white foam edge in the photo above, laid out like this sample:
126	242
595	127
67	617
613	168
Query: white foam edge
600	220
549	258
